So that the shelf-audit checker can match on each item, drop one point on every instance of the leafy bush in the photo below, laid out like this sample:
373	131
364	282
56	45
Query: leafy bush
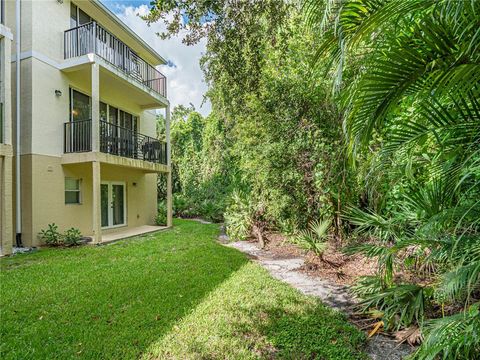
180	205
210	210
51	236
72	237
161	217
239	217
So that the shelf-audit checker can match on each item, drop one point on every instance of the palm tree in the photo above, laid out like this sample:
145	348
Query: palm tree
413	97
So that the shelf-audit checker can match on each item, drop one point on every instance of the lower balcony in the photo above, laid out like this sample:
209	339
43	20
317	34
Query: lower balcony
114	140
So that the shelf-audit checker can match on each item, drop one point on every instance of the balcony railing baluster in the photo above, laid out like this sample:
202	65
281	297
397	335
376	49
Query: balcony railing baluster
115	140
93	38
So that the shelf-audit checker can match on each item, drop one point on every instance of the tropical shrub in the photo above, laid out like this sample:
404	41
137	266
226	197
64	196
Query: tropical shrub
452	337
239	217
51	235
72	237
161	217
412	123
400	305
315	237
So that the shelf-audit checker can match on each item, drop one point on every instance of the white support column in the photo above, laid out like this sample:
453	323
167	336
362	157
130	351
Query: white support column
95	107
96	176
169	174
96	201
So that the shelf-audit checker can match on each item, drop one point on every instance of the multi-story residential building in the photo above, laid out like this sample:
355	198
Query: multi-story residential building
86	121
6	149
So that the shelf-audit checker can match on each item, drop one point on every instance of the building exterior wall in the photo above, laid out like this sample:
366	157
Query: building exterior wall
6	221
6	148
43	114
44	196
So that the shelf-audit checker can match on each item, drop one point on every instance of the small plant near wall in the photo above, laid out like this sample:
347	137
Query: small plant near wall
72	237
53	237
161	218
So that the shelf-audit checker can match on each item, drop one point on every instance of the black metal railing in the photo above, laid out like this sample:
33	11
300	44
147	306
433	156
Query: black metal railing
93	38
115	140
77	136
2	12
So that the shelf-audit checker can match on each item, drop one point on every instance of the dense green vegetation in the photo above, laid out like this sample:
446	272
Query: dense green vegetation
361	114
175	294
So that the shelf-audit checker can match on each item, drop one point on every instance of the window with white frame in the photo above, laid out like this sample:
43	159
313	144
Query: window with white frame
73	191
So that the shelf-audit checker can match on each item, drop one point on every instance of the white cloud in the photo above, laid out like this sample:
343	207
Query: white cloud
185	79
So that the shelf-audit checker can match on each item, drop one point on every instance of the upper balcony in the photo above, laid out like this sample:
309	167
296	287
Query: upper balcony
91	38
128	147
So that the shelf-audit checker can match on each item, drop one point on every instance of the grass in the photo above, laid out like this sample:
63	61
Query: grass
171	295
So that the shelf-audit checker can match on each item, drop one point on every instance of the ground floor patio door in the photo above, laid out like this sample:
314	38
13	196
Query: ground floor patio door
113	203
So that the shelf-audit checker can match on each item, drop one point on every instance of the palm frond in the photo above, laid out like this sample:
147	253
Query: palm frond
452	337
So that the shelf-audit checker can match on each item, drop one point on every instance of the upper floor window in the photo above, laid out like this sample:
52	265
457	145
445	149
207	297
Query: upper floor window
78	16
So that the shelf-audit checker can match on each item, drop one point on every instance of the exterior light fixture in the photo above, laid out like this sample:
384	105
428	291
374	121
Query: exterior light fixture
58	93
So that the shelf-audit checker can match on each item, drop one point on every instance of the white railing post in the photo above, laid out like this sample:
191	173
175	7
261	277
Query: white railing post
94	32
95	107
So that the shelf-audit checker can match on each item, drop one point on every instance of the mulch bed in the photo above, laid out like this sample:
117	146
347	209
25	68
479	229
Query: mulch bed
335	266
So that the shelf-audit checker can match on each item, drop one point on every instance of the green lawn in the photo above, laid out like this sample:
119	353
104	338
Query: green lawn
172	295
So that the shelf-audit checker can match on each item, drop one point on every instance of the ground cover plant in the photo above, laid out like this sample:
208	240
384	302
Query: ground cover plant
174	294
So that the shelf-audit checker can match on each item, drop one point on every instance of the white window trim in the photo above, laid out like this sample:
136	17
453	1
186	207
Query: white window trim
80	197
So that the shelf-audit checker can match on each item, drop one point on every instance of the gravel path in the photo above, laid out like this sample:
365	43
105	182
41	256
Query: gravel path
379	347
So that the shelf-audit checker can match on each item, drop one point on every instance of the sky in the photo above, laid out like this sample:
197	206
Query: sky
184	76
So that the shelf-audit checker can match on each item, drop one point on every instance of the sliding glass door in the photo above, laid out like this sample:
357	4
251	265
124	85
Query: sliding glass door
80	108
113	204
80	122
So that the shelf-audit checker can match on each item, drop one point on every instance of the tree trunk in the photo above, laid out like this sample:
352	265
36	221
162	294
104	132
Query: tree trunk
257	232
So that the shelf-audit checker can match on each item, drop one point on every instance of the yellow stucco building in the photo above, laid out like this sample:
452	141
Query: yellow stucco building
83	121
6	148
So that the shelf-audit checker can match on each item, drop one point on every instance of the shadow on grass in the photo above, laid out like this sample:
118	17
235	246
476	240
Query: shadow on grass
252	316
108	302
